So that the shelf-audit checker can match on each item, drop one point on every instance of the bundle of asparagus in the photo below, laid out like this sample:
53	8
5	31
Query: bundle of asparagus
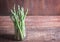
18	17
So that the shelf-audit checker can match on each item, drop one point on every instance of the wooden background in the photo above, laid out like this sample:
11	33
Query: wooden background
36	7
38	29
43	19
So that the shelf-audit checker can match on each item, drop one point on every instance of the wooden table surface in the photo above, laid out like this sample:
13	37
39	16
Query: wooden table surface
38	28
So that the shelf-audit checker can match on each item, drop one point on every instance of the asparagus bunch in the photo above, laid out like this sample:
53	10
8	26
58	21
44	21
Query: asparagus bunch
18	17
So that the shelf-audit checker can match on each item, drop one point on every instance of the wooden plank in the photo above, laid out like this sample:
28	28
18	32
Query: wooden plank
36	7
32	22
43	7
38	29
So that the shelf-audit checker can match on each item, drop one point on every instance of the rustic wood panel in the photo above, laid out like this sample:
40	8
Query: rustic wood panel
38	28
6	5
32	22
43	7
36	7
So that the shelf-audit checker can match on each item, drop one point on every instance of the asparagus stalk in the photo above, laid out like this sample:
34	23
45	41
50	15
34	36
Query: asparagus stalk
18	18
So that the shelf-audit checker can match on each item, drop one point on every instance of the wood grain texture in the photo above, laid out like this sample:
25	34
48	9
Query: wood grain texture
38	29
36	7
32	22
43	7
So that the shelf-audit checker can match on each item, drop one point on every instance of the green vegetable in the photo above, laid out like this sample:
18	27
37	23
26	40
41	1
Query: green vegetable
18	17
